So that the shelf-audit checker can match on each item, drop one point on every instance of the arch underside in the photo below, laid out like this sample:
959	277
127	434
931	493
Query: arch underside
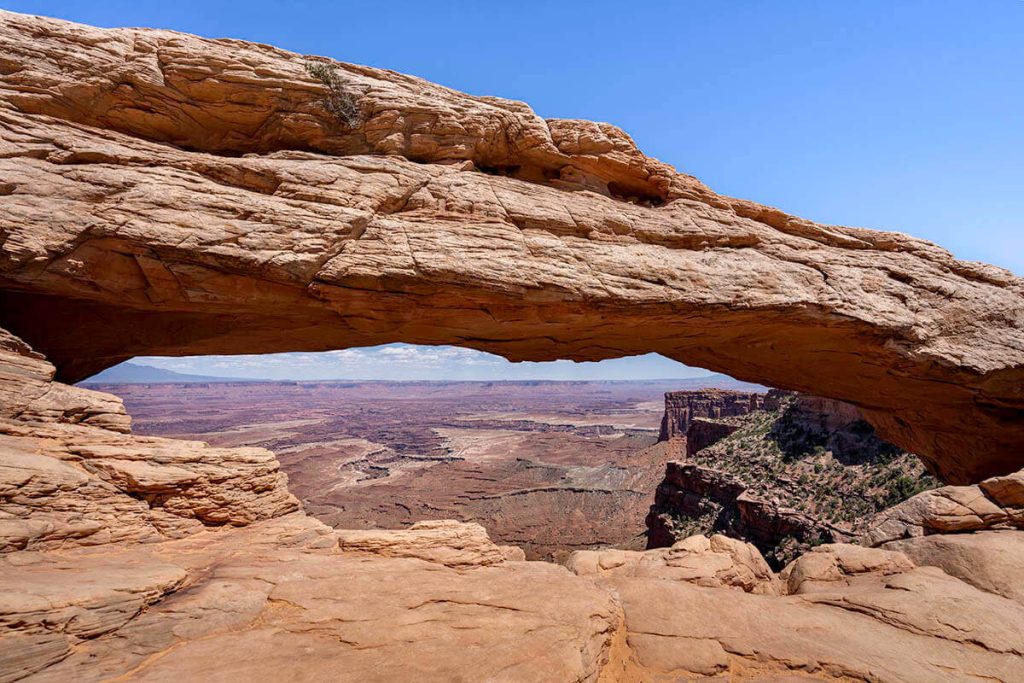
148	207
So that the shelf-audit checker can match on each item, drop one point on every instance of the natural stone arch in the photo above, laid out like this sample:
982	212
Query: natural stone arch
165	194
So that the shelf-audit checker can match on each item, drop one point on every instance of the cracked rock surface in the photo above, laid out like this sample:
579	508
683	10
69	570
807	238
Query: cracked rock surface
161	193
144	559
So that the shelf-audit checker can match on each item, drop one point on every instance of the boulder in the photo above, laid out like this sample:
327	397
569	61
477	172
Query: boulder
718	561
447	542
990	560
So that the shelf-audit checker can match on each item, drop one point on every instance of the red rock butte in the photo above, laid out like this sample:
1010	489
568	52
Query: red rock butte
164	194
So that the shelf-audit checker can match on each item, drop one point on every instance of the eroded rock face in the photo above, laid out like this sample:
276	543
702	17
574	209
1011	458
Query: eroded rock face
71	476
683	407
279	601
846	613
447	542
951	509
991	560
143	559
714	562
708	498
28	392
795	473
127	215
166	194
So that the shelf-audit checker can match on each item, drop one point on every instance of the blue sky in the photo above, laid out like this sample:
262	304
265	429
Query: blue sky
901	115
409	362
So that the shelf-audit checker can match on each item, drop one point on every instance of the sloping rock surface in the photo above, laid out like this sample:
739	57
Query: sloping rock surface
991	560
448	542
993	504
140	559
713	562
130	213
167	194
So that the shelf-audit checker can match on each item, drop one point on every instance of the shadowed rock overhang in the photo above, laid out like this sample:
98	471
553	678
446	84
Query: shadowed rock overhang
163	194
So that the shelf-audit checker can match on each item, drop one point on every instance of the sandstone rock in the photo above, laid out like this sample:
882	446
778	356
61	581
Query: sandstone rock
828	566
141	211
703	433
68	476
682	407
694	492
255	606
447	542
900	627
67	484
949	509
714	562
990	560
107	592
23	655
28	392
1007	492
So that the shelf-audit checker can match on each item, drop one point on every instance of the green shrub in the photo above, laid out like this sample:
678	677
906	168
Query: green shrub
339	102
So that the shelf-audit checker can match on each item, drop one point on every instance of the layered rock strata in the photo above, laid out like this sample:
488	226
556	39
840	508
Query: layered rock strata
202	570
798	471
167	194
713	500
996	503
72	475
131	213
683	407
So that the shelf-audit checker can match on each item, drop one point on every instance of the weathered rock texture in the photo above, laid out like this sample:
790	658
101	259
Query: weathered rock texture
129	217
167	194
996	503
798	471
696	498
448	542
71	476
711	562
683	407
143	559
703	433
845	613
990	560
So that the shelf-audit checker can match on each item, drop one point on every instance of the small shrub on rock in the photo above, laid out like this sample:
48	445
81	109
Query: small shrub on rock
340	101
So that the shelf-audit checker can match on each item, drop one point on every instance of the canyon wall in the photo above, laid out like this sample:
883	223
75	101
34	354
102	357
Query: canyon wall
161	193
798	472
72	475
682	407
165	194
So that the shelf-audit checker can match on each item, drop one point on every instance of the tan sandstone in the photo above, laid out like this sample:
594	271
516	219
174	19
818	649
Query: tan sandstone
950	509
161	193
447	542
168	194
717	561
141	559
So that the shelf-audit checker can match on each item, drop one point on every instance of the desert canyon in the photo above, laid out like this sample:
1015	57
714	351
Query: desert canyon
165	194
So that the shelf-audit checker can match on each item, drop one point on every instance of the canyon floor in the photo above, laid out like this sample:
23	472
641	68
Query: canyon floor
549	466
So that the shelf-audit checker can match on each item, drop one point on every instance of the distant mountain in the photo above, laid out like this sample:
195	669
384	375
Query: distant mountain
716	381
134	373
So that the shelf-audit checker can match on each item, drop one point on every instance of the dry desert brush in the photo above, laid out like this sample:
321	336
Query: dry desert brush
339	102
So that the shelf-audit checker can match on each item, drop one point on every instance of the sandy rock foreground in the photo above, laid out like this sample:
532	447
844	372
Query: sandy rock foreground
279	600
143	559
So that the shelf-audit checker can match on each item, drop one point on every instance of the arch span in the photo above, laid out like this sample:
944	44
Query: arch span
162	194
